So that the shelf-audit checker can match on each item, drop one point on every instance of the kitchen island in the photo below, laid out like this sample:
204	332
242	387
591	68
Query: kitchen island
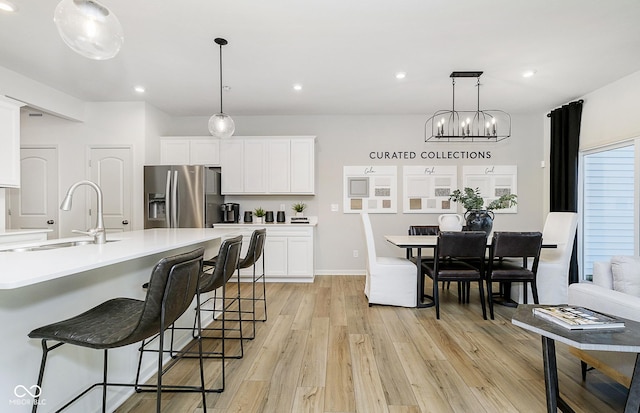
38	287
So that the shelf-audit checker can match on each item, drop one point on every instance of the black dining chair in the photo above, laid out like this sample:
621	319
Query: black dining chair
119	322
509	261
454	253
421	230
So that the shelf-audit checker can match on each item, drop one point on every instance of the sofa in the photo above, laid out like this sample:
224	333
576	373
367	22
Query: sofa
615	290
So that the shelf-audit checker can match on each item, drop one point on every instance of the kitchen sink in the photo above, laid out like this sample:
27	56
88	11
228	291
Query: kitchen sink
52	246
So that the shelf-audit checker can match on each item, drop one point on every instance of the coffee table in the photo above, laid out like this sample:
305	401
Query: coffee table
626	339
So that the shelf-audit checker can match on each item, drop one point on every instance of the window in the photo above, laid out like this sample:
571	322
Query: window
608	209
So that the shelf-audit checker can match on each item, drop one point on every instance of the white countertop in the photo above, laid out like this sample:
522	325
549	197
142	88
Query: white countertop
20	269
313	221
23	231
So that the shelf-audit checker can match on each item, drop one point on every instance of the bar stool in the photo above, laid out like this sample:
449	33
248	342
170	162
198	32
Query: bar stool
254	252
228	256
119	322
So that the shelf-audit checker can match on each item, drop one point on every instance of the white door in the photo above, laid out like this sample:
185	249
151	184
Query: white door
111	169
35	204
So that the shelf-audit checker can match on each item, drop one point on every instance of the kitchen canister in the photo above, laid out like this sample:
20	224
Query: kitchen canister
268	216
248	216
281	217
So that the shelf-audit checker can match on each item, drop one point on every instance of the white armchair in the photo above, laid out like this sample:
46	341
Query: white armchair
389	280
553	268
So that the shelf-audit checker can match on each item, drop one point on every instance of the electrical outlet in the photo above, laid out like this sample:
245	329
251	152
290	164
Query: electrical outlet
335	208
355	253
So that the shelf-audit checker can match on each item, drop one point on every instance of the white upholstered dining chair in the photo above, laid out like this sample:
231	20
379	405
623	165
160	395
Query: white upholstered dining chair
553	268
389	280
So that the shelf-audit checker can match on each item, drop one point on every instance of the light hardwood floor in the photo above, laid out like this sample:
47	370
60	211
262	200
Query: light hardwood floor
323	349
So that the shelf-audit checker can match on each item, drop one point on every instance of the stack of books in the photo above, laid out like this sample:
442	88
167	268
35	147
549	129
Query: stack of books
577	318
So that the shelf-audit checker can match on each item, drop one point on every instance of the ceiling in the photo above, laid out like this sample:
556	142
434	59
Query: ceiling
345	53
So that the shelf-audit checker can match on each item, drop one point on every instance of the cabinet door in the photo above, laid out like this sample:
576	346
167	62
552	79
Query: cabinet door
205	152
174	152
279	164
255	162
10	143
302	166
232	163
300	256
275	250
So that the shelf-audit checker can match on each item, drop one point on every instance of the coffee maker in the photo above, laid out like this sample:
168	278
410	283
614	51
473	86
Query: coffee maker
230	213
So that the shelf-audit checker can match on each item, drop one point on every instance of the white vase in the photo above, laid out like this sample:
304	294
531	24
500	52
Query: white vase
299	214
259	220
450	222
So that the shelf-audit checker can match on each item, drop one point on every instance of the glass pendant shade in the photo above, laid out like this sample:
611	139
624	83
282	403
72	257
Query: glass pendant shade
221	126
89	28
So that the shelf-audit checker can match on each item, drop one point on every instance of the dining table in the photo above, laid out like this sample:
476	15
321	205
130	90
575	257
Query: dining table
419	242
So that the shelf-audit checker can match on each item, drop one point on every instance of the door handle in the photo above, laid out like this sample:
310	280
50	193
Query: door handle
50	222
125	222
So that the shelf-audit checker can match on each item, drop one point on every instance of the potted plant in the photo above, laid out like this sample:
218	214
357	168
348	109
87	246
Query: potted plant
479	217
259	212
299	207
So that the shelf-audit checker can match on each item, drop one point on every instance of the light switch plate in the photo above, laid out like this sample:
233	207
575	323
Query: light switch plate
334	208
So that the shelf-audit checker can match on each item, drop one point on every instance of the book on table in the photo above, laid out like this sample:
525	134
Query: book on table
577	318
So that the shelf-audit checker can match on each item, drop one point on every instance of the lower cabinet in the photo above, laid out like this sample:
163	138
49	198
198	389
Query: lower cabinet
288	252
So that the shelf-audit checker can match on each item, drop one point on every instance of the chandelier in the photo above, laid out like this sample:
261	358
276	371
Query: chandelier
467	125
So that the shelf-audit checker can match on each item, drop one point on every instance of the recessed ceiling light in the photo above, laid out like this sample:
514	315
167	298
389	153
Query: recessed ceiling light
401	75
139	89
6	5
529	73
297	87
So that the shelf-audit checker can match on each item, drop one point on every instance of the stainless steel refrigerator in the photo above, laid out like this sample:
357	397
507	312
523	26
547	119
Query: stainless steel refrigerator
182	196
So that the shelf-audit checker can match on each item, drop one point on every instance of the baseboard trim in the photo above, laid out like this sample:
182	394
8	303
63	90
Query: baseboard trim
341	272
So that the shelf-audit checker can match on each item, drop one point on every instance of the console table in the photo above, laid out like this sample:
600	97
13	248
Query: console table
626	339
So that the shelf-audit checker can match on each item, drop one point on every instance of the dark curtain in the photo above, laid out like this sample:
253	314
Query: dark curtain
565	139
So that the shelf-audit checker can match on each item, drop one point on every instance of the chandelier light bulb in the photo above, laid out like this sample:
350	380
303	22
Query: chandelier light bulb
89	28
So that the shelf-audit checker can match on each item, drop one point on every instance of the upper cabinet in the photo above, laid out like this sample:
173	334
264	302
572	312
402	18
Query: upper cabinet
268	165
10	143
190	150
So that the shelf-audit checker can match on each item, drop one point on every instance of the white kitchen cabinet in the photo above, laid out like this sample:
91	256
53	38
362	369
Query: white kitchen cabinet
275	249
255	166
279	164
268	165
187	150
288	251
303	166
232	163
10	143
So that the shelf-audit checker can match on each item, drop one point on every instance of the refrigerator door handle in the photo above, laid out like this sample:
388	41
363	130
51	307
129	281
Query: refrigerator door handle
167	199
174	200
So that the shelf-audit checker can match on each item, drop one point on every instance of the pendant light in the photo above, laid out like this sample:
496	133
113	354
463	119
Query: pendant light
89	28
220	124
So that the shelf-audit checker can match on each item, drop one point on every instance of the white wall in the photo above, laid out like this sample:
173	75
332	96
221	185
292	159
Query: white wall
610	114
40	96
106	124
347	140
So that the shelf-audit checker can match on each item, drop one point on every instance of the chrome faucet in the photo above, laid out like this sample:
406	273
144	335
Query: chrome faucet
98	233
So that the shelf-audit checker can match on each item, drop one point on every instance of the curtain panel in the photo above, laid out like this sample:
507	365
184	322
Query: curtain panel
565	141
